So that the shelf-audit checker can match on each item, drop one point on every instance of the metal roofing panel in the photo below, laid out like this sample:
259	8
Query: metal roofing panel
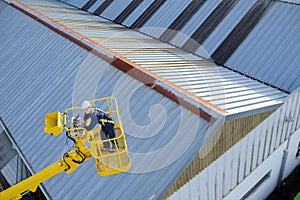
137	12
271	51
168	11
225	27
48	72
94	7
115	8
195	22
6	29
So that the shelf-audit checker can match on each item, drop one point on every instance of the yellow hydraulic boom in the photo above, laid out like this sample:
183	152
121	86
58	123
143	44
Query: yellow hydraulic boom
68	162
106	163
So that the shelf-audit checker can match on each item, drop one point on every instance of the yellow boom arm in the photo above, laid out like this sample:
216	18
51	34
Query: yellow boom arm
68	162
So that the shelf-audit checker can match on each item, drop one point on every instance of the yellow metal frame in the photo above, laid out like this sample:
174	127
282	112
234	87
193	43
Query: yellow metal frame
53	123
106	163
121	156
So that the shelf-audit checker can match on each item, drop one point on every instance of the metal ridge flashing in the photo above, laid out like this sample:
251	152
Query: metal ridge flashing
150	79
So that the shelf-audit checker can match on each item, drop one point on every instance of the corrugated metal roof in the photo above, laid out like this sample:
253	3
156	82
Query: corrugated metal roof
235	93
114	9
197	19
42	71
228	31
43	58
226	25
133	16
93	6
271	52
171	10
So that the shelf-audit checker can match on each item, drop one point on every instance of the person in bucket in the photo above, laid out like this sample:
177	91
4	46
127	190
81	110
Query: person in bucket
94	116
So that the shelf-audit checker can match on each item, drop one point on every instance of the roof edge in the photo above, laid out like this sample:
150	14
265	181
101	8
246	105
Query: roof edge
148	78
21	154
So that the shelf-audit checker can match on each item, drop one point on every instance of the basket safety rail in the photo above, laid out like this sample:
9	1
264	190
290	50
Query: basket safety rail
107	163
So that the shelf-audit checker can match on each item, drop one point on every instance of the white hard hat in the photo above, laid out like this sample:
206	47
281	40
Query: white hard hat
85	105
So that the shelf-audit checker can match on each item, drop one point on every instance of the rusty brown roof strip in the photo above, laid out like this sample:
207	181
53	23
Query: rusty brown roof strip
121	63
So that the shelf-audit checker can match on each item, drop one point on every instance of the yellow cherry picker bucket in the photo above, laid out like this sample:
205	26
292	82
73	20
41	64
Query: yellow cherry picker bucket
107	161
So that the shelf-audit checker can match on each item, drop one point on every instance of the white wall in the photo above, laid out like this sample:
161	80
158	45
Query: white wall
273	164
236	172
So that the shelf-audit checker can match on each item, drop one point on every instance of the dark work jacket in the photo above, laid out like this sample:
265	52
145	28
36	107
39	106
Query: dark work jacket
91	120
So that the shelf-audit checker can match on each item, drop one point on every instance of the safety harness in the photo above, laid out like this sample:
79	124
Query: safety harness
102	120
